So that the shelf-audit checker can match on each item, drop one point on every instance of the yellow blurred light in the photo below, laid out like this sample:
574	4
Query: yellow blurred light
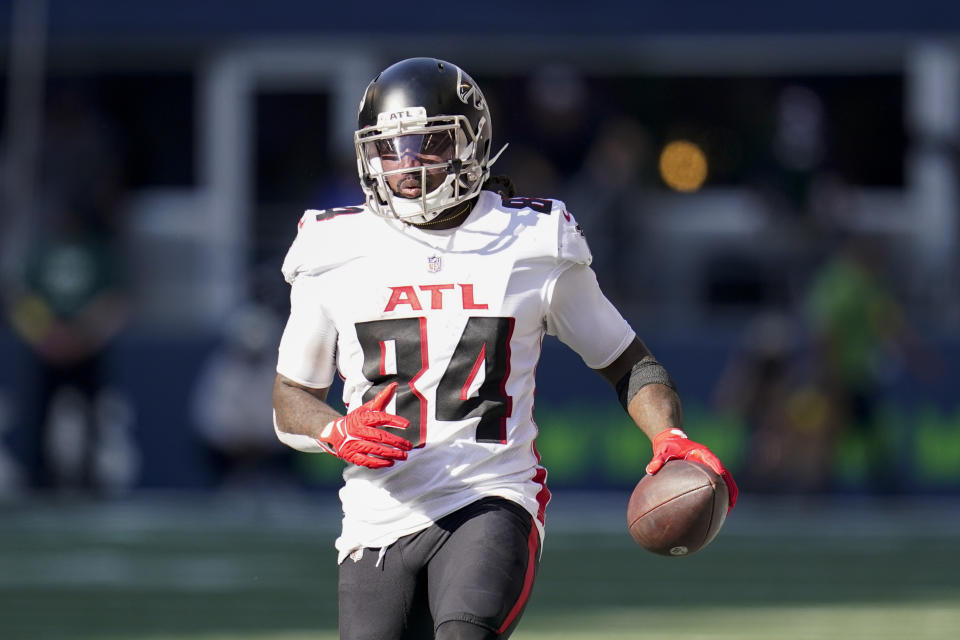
683	166
32	318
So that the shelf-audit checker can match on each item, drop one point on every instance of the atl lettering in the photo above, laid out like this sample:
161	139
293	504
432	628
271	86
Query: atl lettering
407	295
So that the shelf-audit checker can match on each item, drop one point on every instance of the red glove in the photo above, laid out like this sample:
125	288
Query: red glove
673	444
357	438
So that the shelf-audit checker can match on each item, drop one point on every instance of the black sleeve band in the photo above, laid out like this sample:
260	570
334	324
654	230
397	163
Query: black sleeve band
643	373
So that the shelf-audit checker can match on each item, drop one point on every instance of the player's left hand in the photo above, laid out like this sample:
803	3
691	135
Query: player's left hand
673	444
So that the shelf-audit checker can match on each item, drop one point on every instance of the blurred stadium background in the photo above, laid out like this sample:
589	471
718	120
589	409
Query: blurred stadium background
772	196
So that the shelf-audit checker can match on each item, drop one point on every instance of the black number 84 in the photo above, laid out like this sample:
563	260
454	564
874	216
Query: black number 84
485	342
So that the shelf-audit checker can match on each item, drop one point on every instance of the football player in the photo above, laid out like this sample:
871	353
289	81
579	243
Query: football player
431	300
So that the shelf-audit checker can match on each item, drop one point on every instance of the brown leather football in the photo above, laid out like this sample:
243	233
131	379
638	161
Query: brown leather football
678	510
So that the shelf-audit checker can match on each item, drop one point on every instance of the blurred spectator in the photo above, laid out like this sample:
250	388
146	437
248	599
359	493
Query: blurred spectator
799	151
531	171
10	473
790	420
799	142
232	405
69	300
607	196
860	340
548	119
561	116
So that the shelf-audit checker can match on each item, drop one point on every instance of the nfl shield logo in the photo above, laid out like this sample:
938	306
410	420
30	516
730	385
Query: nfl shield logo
434	264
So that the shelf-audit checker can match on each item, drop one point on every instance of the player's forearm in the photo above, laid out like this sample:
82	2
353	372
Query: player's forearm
300	411
655	408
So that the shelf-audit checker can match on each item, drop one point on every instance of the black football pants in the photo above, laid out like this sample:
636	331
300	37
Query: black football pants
466	577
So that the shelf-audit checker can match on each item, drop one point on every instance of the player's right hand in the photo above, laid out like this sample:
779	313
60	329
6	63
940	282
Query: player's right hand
358	437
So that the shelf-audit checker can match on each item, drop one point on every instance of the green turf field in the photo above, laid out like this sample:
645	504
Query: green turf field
262	569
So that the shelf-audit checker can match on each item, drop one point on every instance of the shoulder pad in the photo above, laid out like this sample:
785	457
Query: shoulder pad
571	243
314	250
559	234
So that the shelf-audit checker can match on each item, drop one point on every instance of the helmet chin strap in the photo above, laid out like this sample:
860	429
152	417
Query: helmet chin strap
447	217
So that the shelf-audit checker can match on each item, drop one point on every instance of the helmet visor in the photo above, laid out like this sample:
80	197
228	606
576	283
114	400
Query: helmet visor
412	164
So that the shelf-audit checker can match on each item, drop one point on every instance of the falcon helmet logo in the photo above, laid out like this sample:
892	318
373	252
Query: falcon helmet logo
469	92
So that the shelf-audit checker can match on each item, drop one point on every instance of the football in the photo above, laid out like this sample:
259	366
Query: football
679	510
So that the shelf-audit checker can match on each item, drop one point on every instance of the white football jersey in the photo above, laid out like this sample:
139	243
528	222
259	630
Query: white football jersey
456	317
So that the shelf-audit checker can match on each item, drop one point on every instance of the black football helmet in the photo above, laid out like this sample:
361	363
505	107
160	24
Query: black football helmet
423	139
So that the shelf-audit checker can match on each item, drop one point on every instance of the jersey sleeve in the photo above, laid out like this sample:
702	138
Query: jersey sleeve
307	353
584	319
